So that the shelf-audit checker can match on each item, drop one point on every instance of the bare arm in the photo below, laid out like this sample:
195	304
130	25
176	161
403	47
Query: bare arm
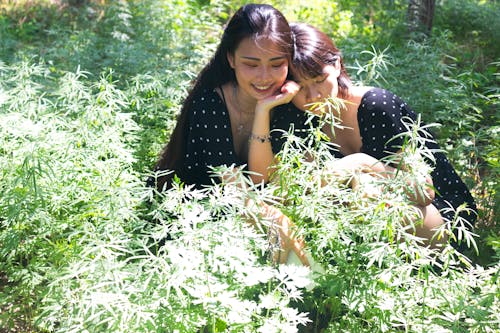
360	162
278	224
347	166
282	227
260	151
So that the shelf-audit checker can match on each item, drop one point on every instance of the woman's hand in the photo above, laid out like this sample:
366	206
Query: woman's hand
282	228
361	168
288	90
289	242
260	153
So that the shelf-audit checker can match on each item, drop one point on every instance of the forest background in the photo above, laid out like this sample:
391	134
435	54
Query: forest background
89	92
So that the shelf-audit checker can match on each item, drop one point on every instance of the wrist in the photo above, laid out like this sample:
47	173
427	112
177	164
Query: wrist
262	138
262	109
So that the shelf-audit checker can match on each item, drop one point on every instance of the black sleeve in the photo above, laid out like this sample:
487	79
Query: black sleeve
209	140
381	118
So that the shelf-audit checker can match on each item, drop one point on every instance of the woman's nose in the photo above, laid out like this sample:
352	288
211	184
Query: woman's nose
313	95
264	73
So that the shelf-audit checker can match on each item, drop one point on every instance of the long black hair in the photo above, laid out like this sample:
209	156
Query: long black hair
250	21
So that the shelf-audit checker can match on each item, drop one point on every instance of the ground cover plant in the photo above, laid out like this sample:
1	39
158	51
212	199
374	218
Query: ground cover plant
89	91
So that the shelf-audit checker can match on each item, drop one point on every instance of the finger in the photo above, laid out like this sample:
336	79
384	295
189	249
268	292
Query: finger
288	95
290	87
285	97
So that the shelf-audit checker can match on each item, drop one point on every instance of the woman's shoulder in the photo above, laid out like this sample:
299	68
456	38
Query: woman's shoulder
206	96
375	94
357	93
205	104
383	100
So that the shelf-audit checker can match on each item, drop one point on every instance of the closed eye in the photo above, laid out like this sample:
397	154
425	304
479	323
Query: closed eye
321	79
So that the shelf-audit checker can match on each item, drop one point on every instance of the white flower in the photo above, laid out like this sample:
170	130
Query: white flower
268	301
120	36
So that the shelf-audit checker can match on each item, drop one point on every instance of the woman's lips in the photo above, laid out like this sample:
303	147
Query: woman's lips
263	89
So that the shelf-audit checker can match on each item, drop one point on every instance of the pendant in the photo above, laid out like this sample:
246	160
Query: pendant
240	128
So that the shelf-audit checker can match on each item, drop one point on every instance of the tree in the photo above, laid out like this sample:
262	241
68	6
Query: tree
420	15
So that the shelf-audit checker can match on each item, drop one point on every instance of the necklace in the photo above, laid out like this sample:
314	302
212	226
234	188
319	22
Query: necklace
242	120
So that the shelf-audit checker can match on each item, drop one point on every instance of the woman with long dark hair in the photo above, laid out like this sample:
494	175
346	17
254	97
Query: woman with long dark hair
239	98
233	104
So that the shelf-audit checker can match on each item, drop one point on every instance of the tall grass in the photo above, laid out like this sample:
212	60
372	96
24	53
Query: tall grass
86	106
376	275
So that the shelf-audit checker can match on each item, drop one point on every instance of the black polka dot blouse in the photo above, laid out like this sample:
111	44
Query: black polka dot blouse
380	117
209	140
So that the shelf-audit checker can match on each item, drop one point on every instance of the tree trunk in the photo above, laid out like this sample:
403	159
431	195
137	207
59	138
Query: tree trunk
420	15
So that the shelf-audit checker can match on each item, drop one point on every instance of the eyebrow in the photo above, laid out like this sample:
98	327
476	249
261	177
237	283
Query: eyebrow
258	59
310	78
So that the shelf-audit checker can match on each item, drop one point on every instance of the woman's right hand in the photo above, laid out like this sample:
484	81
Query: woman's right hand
279	227
260	153
285	95
283	227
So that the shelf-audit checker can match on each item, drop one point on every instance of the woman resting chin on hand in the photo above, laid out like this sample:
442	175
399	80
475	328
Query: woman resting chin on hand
238	98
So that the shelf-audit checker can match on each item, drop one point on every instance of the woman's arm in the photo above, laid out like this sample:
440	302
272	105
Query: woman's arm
349	165
260	151
277	223
284	229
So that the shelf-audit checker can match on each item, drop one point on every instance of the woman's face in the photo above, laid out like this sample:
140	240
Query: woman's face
318	88
261	67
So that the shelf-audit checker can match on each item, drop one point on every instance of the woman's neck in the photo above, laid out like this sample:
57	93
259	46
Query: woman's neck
349	137
242	101
356	93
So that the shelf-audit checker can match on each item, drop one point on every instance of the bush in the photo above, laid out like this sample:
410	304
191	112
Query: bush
89	95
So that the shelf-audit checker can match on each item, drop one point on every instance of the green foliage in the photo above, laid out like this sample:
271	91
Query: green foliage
79	251
206	277
375	275
66	171
89	95
475	24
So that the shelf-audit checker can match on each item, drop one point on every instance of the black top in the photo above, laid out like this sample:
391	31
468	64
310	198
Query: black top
209	141
380	115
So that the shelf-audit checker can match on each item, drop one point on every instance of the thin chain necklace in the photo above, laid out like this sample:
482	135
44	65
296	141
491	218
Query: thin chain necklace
241	124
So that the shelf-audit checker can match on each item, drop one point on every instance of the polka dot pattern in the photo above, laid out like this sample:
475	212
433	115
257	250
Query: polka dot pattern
209	141
380	119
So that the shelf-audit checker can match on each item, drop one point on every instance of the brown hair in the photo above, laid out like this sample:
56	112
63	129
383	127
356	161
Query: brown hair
250	21
313	50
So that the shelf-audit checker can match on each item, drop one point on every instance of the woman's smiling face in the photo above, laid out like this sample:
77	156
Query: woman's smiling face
260	67
318	88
